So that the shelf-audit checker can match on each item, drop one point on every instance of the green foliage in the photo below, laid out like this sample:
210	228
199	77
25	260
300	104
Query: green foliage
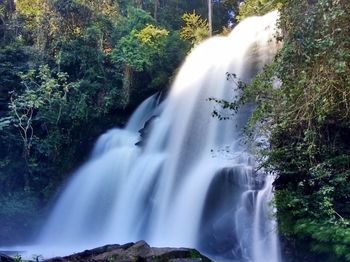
139	48
196	29
153	37
31	8
136	52
43	99
18	258
5	122
302	102
112	259
13	59
135	19
14	206
195	254
257	7
229	108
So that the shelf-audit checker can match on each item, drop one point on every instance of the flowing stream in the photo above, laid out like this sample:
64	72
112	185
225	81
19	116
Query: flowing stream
189	180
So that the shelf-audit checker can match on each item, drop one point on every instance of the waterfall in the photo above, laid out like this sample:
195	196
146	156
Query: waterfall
189	180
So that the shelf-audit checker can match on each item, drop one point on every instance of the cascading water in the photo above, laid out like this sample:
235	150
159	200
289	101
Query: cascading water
192	182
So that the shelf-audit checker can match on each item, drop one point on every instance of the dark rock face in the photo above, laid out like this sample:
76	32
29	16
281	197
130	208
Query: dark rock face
145	131
134	252
5	258
220	235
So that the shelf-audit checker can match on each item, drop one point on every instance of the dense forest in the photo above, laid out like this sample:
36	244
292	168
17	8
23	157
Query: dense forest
71	69
308	122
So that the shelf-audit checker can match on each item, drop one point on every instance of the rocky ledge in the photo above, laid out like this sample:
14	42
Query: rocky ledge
5	258
134	252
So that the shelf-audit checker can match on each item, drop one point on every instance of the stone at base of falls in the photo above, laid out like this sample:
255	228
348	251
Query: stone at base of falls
5	258
134	252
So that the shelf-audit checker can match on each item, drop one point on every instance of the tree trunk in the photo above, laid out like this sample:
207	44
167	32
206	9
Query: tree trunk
127	83
156	5
10	7
210	12
138	3
2	28
9	10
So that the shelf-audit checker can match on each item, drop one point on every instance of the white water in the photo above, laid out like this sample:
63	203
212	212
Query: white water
193	183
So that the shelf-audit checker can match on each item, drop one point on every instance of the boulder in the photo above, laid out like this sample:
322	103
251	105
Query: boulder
145	131
134	252
6	258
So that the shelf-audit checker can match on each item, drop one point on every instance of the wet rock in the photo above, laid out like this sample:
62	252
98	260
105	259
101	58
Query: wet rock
134	252
228	211
5	258
145	131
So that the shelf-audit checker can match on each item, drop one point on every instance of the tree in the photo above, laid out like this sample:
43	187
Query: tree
42	100
307	120
210	20
257	7
137	51
196	29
